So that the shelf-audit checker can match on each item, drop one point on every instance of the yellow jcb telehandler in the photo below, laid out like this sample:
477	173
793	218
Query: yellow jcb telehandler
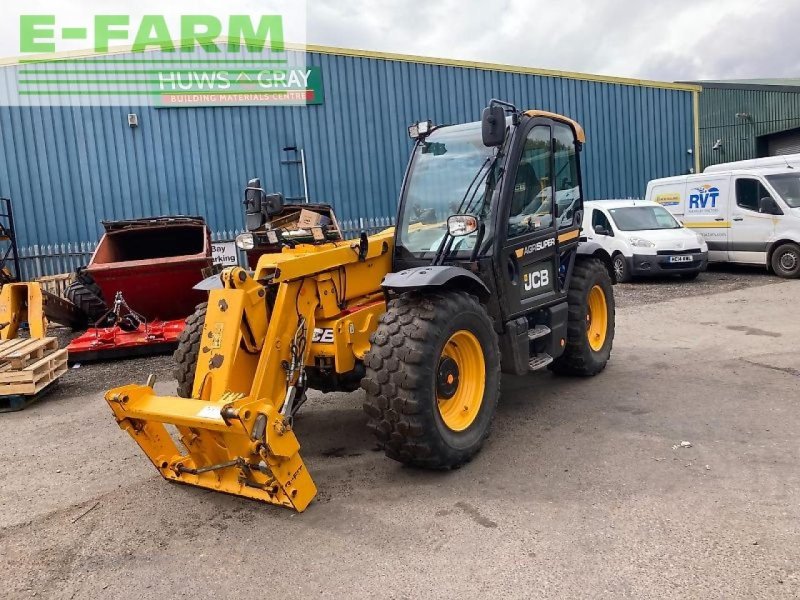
480	275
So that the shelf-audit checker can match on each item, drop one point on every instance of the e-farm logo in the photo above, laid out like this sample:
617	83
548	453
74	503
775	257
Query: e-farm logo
175	60
39	33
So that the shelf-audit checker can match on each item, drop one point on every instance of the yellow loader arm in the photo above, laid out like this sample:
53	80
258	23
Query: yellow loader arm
236	430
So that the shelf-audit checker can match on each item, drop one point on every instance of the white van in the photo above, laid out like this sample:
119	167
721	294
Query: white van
748	212
638	237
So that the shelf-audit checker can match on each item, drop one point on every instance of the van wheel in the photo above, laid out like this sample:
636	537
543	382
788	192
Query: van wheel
621	272
786	261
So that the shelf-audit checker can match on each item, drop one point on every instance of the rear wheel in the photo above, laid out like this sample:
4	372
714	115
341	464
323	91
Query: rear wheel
433	379
188	350
590	326
786	261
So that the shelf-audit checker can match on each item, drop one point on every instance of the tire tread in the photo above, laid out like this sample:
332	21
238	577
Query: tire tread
401	365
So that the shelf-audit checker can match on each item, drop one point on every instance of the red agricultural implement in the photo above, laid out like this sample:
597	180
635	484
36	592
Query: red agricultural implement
138	287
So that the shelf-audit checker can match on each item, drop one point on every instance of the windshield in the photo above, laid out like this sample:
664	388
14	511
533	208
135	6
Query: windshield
638	218
788	187
443	168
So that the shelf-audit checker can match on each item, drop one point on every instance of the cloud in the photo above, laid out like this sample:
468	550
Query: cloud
673	40
669	40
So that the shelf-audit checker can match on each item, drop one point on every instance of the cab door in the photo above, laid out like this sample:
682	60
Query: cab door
526	269
750	230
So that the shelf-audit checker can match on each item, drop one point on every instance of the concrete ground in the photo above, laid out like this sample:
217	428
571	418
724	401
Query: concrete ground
583	489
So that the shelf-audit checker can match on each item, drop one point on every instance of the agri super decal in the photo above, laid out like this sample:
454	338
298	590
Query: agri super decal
703	199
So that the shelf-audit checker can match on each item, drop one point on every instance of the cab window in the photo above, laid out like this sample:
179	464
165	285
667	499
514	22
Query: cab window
600	218
565	175
749	192
532	197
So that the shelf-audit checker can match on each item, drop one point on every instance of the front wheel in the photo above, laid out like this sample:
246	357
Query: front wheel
622	273
188	350
433	379
786	261
590	322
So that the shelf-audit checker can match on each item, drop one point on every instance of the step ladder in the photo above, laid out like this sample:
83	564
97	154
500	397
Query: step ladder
541	359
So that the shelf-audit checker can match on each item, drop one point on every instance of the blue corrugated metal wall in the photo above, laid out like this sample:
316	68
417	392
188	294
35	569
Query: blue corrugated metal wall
66	168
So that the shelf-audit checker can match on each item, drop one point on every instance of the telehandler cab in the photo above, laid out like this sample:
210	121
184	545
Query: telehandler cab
480	275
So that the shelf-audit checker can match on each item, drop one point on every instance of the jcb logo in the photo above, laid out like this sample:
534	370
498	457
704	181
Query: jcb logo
322	336
536	279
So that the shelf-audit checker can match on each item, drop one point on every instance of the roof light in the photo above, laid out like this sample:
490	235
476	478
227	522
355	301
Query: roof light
420	129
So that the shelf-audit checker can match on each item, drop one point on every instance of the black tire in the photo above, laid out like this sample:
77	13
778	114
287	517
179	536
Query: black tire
786	261
690	276
87	280
579	358
87	301
185	355
402	366
622	273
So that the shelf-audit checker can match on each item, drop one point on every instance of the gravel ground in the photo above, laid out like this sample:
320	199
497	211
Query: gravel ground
718	279
583	490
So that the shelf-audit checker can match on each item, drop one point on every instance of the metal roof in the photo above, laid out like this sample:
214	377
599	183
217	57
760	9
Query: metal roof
770	85
392	56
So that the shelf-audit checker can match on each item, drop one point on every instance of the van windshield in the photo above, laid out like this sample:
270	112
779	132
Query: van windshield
638	218
788	186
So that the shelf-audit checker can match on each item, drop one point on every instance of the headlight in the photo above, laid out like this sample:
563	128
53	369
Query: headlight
245	241
700	238
641	243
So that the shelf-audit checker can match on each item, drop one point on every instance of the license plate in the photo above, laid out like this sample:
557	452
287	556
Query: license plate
683	258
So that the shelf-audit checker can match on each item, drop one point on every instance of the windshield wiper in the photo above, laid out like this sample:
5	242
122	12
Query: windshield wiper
447	241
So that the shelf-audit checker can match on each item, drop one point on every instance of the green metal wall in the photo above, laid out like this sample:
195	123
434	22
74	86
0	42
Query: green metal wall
770	112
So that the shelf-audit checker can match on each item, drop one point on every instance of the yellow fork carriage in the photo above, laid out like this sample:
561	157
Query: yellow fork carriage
237	427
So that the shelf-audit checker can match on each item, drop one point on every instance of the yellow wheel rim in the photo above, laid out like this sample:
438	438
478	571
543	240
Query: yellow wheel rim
461	379
597	318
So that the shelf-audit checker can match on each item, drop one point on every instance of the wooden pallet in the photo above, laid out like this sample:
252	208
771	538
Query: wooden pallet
17	402
56	284
28	366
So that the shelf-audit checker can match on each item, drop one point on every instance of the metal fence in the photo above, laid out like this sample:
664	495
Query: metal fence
43	260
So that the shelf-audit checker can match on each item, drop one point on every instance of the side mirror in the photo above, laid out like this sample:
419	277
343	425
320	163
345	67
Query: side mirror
600	230
493	126
272	204
461	225
768	206
252	196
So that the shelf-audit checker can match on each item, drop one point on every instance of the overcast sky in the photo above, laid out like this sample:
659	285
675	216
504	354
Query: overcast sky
661	39
653	39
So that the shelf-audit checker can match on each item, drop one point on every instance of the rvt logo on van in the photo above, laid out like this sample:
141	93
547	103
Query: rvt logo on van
703	197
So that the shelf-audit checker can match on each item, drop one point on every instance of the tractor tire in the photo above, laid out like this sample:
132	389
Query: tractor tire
87	280
86	298
432	379
590	321
185	355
